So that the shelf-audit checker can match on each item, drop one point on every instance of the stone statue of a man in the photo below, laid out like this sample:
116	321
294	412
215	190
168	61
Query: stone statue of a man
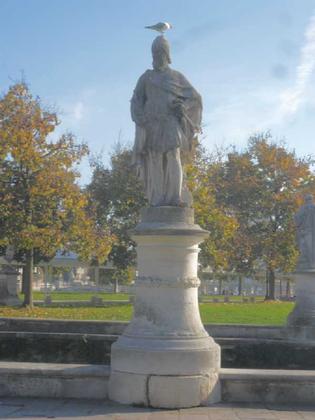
305	224
167	112
8	257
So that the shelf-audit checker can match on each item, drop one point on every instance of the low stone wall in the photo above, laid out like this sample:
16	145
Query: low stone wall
55	347
58	341
91	382
114	327
61	326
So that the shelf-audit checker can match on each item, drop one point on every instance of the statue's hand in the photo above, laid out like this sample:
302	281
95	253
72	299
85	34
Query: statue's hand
178	108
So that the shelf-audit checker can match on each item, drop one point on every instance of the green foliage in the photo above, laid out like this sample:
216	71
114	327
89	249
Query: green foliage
119	197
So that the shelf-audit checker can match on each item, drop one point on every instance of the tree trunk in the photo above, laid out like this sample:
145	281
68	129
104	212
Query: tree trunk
267	285
28	279
220	287
288	289
97	276
240	285
23	280
116	290
270	285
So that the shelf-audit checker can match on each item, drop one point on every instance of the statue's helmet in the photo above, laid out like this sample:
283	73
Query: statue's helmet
161	45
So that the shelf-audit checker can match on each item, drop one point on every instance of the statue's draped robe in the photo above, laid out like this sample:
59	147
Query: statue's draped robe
160	131
305	223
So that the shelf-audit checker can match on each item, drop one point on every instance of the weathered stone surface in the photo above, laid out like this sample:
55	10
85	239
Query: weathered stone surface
40	409
128	388
183	391
8	280
91	382
301	321
274	386
167	361
305	225
167	112
303	314
166	335
117	328
53	380
8	289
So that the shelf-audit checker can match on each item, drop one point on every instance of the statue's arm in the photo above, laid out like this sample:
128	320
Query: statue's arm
192	104
138	101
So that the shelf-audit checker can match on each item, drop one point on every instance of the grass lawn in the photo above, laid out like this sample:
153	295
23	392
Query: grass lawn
264	313
274	313
119	296
232	298
79	296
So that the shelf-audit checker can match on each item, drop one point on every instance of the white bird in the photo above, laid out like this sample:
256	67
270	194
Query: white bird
160	27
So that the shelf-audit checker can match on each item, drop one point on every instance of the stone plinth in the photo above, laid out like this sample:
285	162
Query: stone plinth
165	358
8	288
301	321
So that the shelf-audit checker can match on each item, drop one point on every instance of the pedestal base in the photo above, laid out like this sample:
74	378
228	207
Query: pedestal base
162	391
303	314
8	290
165	358
165	373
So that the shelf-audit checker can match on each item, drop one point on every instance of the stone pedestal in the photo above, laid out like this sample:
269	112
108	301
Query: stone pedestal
301	321
165	358
8	288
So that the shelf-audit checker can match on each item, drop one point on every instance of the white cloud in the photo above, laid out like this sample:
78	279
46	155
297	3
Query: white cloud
241	115
291	99
78	110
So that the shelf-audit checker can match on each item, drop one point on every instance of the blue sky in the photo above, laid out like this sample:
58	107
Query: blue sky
253	61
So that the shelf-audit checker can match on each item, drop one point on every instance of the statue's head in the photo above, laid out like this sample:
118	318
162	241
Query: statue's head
160	53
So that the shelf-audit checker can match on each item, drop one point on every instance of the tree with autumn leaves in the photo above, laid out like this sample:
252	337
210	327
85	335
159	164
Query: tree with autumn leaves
209	213
42	208
255	193
118	197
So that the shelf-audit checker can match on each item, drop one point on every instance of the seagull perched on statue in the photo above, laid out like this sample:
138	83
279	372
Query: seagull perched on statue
160	27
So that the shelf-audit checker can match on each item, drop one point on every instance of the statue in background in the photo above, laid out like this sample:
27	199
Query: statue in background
167	112
9	257
8	279
305	224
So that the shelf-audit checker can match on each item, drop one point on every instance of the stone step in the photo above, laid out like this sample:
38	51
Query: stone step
49	380
42	380
268	386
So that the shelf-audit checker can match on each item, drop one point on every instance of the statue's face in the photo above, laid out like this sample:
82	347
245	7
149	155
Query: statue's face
160	61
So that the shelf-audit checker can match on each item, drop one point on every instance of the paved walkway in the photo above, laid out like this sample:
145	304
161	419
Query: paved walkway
30	408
